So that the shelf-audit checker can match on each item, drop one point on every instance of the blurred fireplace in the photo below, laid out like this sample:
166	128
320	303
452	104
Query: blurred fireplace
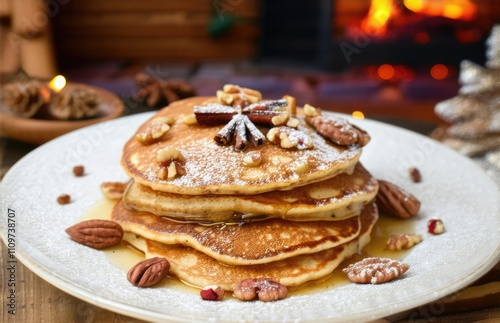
340	34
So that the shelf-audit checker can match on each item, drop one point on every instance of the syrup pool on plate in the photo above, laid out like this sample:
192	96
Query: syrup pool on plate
382	230
125	256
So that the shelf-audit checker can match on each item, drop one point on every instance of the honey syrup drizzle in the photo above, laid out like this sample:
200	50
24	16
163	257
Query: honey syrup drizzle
125	256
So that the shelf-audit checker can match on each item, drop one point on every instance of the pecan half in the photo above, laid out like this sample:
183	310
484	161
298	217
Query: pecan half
264	288
339	130
403	241
375	270
395	201
97	234
148	272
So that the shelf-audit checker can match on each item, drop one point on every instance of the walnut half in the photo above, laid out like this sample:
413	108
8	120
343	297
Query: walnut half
264	288
403	241
288	138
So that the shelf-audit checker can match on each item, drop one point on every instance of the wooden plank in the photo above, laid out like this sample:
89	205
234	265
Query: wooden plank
239	31
154	48
140	18
92	6
243	8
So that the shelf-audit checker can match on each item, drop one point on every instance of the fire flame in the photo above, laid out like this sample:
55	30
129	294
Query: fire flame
57	83
375	23
453	9
382	11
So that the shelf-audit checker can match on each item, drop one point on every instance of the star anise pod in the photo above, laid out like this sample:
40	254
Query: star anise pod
156	92
240	128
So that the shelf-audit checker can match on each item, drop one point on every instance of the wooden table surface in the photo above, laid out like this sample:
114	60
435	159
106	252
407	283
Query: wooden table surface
38	301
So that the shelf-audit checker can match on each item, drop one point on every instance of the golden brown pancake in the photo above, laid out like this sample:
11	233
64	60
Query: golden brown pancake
250	243
214	169
335	198
199	270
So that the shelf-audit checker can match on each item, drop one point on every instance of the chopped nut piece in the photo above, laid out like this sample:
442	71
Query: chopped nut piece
162	173
310	111
435	226
293	123
78	170
154	131
395	201
281	119
375	270
169	153
292	105
266	289
415	175
189	119
302	168
253	158
171	171
113	190
148	272
234	95
64	199
289	138
165	119
403	241
225	98
170	160
212	293
97	234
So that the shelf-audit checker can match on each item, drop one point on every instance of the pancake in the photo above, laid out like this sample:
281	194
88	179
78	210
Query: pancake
199	270
250	243
214	169
335	198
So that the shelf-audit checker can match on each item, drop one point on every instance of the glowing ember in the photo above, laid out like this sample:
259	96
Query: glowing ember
57	83
386	72
439	71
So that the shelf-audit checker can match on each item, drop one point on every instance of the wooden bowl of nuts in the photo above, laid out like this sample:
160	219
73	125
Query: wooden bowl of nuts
35	114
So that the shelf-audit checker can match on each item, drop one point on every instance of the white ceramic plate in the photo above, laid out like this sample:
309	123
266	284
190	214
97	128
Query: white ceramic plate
453	189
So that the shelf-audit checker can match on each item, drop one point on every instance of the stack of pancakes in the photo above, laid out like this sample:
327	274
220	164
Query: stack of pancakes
220	220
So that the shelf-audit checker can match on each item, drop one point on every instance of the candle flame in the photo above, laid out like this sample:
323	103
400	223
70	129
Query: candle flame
358	115
57	83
